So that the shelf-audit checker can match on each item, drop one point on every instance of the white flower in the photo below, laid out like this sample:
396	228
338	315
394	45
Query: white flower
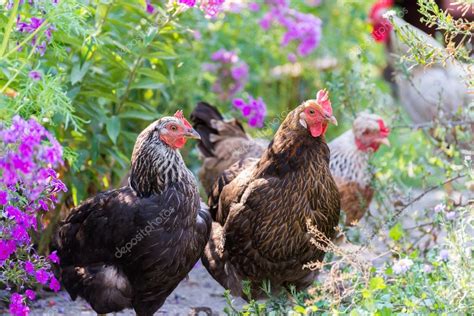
402	265
444	255
440	207
427	268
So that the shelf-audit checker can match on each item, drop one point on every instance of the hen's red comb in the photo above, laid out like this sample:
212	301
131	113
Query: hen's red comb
179	115
384	130
379	5
322	97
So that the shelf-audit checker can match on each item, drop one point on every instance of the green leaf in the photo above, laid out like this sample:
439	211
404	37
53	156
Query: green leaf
396	232
142	115
113	128
377	283
147	83
78	72
300	309
153	74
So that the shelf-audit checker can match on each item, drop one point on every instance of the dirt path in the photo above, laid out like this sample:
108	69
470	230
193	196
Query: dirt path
199	291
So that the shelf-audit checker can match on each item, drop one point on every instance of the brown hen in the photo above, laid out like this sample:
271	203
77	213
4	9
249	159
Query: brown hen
261	206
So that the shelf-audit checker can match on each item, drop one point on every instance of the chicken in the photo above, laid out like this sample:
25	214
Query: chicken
349	163
262	206
222	143
429	91
130	247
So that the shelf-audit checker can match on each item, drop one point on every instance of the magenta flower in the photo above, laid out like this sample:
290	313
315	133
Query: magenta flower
189	3
30	294
28	154
7	247
34	24
444	255
54	284
17	306
53	257
149	7
3	197
29	268
254	110
42	276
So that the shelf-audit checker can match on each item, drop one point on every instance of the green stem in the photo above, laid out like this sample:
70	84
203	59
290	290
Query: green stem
19	69
9	27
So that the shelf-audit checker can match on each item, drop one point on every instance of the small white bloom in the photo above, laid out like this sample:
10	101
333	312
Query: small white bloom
444	255
402	265
427	268
440	207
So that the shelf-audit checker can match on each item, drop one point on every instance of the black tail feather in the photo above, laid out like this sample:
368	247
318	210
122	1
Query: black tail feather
201	118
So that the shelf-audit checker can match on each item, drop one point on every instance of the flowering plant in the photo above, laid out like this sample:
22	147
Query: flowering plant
232	73
28	188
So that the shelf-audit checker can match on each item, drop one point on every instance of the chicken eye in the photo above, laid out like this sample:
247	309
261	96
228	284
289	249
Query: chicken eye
312	112
173	128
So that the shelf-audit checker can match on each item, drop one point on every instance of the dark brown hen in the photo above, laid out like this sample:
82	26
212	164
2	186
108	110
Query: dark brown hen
262	206
130	247
223	142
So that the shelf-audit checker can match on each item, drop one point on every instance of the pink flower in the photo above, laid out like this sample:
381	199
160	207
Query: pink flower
54	257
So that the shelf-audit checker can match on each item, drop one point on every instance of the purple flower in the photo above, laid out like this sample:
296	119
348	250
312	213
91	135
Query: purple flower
42	276
30	294
450	215
240	72
305	29
17	306
444	255
34	24
53	257
149	7
232	73
7	247
254	6
35	75
20	234
29	268
402	266
3	197
254	110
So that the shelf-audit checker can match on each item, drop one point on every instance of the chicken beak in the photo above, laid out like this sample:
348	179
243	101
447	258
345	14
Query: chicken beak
331	119
191	133
384	141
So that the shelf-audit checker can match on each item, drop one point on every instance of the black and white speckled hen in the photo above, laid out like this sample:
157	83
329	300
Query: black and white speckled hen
130	247
261	205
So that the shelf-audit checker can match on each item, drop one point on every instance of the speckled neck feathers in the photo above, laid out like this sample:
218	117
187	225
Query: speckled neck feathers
154	166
